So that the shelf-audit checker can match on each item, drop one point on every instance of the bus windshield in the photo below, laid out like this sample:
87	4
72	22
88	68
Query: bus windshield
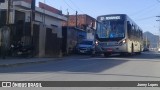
112	29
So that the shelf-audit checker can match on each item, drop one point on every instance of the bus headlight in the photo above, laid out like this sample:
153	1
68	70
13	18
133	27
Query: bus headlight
123	42
96	43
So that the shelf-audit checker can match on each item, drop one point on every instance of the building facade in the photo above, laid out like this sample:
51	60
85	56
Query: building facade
47	26
84	22
81	21
77	28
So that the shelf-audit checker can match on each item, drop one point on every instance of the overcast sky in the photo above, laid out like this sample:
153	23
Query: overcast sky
143	12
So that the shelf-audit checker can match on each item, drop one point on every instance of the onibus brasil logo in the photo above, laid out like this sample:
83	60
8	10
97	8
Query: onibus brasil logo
20	84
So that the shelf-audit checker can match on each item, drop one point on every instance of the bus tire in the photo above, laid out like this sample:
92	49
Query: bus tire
138	53
132	50
140	50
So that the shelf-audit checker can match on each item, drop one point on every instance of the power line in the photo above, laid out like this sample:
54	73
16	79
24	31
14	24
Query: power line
69	5
159	28
158	1
146	9
146	18
76	6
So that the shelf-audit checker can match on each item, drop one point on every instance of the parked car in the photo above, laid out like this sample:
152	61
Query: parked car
146	49
87	47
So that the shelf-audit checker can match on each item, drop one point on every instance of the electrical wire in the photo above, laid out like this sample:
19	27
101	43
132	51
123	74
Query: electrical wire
158	1
76	6
146	18
69	6
146	9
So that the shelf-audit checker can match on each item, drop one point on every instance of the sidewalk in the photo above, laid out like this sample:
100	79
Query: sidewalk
9	62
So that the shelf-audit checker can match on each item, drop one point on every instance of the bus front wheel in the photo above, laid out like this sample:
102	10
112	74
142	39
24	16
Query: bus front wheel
132	50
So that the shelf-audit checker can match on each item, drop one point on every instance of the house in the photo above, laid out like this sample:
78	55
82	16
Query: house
77	28
46	33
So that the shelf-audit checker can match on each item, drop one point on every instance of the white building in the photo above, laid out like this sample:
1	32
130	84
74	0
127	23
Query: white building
45	17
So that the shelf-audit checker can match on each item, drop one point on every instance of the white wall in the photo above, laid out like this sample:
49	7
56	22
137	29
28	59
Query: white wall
49	21
4	5
50	18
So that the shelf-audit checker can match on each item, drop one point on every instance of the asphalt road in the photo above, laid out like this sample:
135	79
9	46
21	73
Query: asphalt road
144	67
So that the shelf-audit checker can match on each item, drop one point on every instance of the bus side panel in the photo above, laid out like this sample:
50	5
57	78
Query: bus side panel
129	46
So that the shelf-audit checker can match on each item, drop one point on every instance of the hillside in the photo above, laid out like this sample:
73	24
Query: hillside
152	38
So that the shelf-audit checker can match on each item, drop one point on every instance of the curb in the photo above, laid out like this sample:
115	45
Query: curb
23	63
29	62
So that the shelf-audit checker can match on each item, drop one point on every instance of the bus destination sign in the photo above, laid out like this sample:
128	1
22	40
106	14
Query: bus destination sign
110	18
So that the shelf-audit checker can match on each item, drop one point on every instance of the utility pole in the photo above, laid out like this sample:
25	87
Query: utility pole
76	26
0	15
67	49
5	32
159	31
44	13
146	41
67	19
76	18
8	12
159	28
32	16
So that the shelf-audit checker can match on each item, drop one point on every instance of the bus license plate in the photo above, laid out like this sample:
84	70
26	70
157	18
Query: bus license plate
82	51
109	50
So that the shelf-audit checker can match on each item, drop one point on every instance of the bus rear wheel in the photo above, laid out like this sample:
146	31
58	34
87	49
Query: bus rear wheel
139	53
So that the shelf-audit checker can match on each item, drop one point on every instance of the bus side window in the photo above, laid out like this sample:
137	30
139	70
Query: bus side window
136	33
129	29
141	34
133	32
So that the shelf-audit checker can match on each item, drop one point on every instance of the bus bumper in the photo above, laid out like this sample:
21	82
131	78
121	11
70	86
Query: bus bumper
115	49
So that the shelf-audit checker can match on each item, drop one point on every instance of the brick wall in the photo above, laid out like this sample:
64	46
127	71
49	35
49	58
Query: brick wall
83	21
49	8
